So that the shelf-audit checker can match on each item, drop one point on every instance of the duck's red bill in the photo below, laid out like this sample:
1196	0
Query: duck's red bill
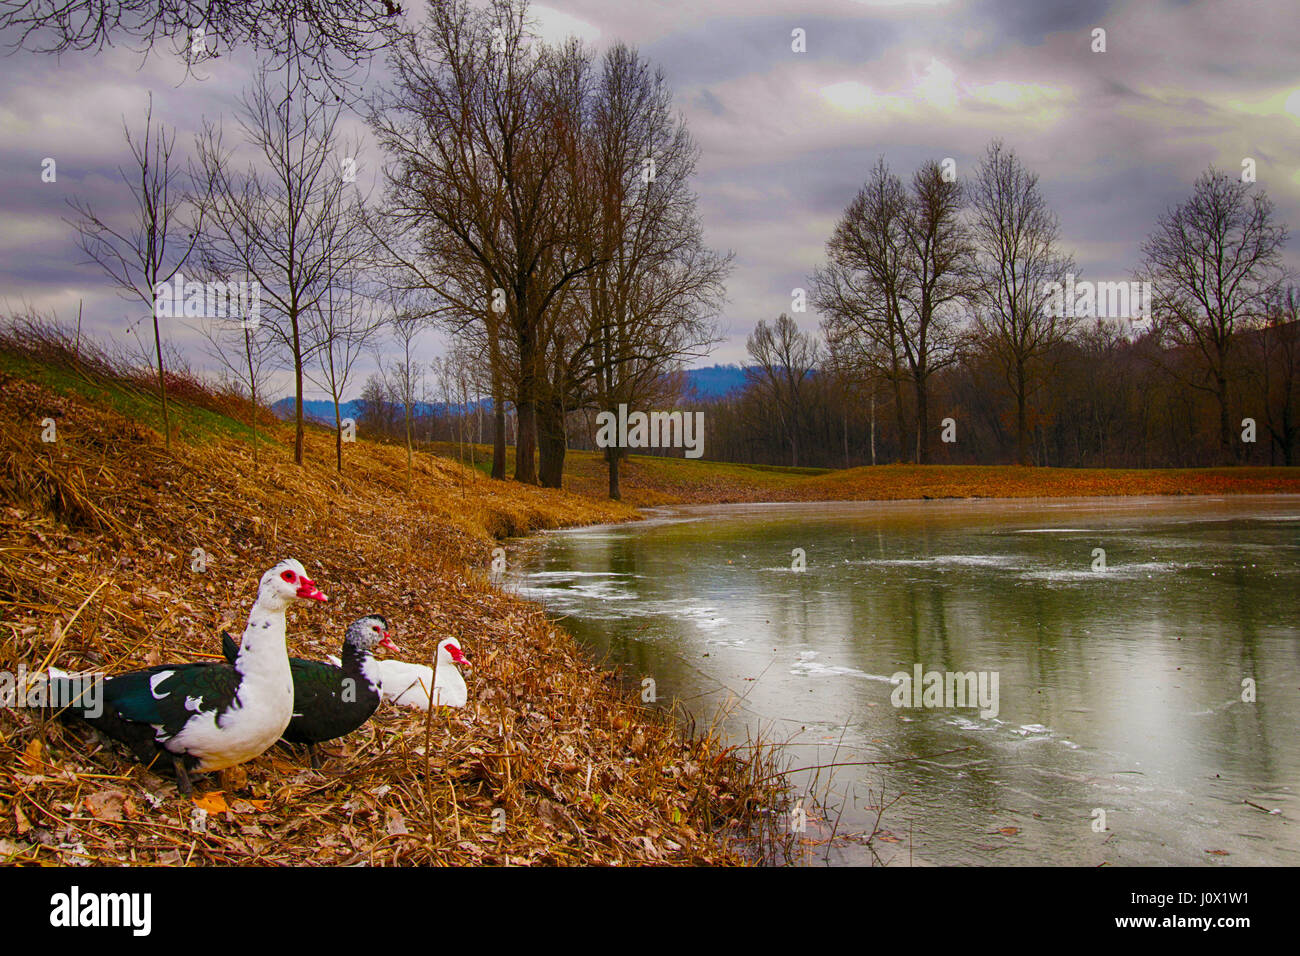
388	643
308	591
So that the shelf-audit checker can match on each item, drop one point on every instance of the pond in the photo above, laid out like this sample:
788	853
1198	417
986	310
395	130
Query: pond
1139	660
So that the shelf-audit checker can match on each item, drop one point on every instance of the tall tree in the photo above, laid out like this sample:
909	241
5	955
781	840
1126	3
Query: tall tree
404	376
901	265
1214	263
940	265
860	290
480	140
348	323
284	220
152	248
648	300
785	360
1016	233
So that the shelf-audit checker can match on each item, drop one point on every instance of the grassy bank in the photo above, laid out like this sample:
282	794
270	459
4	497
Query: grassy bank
647	480
97	534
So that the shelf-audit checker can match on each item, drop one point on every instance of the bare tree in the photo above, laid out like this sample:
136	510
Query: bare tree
1278	370
941	264
328	42
901	265
1213	262
404	376
480	138
1017	236
347	324
151	250
378	411
647	303
860	290
283	221
786	360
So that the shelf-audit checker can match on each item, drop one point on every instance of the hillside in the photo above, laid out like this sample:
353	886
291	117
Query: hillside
97	533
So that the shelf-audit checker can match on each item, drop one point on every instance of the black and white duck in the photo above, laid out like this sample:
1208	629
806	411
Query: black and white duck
211	716
330	701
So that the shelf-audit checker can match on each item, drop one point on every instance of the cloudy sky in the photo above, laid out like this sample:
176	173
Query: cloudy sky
786	137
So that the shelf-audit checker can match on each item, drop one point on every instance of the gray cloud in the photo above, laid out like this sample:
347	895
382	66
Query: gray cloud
786	138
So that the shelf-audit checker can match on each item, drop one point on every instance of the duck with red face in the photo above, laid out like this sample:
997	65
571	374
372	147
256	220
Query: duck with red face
332	700
212	716
419	686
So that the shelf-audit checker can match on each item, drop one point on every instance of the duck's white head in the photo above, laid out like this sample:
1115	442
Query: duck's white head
285	583
449	652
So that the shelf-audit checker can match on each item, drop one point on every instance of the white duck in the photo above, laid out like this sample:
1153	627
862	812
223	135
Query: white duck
407	685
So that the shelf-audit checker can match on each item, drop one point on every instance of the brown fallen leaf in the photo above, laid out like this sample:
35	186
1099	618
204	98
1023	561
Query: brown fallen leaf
234	779
32	757
396	823
1008	831
1218	852
106	804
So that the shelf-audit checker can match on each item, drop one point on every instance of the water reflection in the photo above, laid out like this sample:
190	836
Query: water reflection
1120	690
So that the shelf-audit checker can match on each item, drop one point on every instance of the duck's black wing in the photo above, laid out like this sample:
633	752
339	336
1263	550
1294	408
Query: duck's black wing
328	702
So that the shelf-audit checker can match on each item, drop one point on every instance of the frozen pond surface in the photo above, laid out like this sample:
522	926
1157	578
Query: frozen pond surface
1119	690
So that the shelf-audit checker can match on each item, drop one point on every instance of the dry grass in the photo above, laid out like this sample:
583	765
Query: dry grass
97	532
649	481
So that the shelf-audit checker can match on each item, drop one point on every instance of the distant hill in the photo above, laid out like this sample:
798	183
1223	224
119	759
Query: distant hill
321	410
713	381
317	410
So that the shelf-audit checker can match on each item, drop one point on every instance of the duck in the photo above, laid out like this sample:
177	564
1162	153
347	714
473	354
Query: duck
209	716
407	685
332	700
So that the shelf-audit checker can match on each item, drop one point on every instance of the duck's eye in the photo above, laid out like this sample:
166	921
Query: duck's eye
289	576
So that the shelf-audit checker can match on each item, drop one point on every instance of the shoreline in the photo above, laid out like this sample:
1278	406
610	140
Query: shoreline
551	762
105	521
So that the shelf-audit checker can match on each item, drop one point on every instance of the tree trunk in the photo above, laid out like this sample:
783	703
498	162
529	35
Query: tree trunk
873	425
1021	449
498	406
613	456
297	391
409	454
526	414
901	418
252	385
551	444
922	423
1227	451
162	381
526	443
338	438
